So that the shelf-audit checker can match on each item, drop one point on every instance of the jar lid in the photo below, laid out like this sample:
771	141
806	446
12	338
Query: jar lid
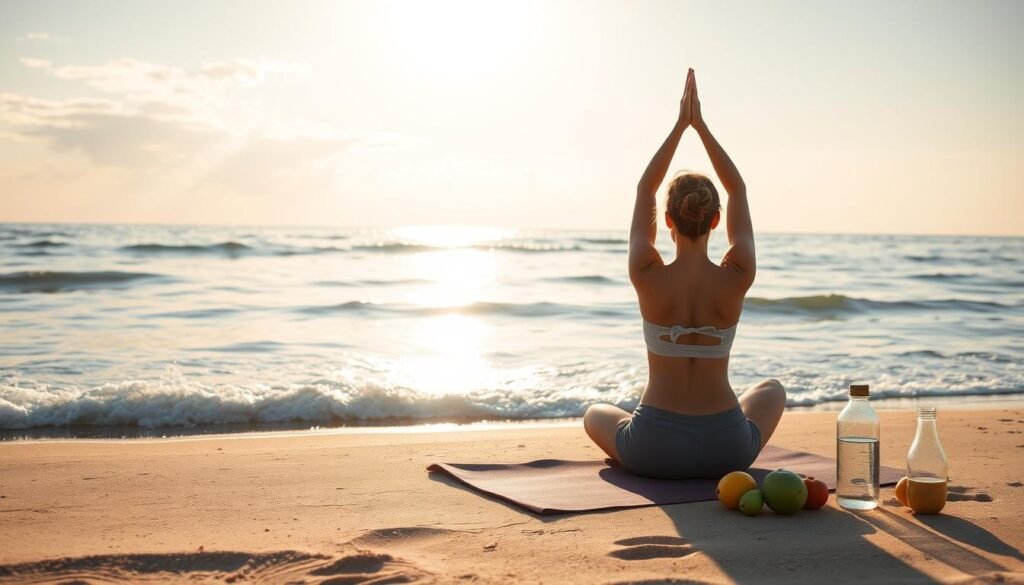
860	390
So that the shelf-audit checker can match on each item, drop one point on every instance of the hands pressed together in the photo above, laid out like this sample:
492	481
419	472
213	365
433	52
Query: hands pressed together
737	217
689	106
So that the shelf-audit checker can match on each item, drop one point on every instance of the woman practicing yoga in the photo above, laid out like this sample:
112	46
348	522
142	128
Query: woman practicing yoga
689	422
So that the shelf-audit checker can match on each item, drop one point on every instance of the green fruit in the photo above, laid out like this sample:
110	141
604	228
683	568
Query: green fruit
784	491
751	502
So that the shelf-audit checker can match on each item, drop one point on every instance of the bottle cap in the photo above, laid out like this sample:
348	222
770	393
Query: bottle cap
860	390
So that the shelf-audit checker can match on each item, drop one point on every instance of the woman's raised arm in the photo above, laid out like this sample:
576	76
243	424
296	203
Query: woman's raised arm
740	256
642	252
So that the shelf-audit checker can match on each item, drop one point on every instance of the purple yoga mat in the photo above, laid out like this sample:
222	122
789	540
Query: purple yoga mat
553	486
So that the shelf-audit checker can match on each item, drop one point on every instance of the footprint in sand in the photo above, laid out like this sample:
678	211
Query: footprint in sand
408	535
366	567
663	582
960	493
642	548
357	566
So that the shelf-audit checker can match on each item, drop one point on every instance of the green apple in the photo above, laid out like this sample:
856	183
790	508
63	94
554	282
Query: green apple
751	502
784	491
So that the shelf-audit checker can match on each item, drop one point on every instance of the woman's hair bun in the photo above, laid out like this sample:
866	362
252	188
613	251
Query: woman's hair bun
692	203
696	205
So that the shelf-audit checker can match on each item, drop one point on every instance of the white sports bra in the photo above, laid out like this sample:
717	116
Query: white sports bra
654	336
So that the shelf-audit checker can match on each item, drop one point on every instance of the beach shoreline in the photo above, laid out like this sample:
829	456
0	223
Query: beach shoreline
361	505
89	433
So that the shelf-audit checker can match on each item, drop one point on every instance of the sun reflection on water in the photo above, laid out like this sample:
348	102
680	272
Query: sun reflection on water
453	278
446	354
451	361
456	274
450	236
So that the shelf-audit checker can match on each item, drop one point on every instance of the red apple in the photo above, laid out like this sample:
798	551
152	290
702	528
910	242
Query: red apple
817	493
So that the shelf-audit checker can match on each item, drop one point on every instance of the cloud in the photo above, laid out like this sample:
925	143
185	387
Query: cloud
32	63
138	83
26	112
106	131
247	71
155	114
41	37
189	127
127	140
231	71
280	165
206	94
131	76
120	74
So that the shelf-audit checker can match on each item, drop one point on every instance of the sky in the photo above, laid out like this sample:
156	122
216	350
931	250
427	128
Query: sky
843	117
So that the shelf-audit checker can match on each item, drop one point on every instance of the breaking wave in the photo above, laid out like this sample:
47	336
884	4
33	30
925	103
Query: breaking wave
185	405
51	282
231	247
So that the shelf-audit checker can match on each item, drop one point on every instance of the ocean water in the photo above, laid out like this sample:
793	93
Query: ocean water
127	330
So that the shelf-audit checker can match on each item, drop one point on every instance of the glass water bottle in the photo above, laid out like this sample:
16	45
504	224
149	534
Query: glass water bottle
857	452
926	466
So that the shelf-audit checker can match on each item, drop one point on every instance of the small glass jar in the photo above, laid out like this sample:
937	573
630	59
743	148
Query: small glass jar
927	467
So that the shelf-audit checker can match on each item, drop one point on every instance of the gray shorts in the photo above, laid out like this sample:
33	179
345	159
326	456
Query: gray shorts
659	443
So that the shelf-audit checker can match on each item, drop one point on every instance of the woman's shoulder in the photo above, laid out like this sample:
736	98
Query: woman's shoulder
711	294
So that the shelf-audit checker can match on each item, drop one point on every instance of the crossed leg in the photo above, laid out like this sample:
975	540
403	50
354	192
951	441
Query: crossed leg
763	403
601	421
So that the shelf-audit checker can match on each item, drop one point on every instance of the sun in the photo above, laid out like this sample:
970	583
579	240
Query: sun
458	37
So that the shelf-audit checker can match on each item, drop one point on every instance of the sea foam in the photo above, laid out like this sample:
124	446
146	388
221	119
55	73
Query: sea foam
187	404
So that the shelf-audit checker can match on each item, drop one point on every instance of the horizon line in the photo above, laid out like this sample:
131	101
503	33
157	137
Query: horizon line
488	226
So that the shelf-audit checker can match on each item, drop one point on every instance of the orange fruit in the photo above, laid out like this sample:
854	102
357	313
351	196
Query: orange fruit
926	495
732	486
901	492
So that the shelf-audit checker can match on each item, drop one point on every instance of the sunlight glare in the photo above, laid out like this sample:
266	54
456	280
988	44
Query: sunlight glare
458	37
458	277
453	363
450	236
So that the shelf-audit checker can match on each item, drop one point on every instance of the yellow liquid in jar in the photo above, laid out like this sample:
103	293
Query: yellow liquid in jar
926	495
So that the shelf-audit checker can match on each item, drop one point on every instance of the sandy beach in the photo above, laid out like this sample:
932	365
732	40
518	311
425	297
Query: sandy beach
323	292
344	507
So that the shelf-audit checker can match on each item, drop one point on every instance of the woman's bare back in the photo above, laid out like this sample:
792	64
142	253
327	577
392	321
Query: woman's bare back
691	292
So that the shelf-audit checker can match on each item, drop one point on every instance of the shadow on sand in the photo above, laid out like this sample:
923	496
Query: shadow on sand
967	533
772	548
914	531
